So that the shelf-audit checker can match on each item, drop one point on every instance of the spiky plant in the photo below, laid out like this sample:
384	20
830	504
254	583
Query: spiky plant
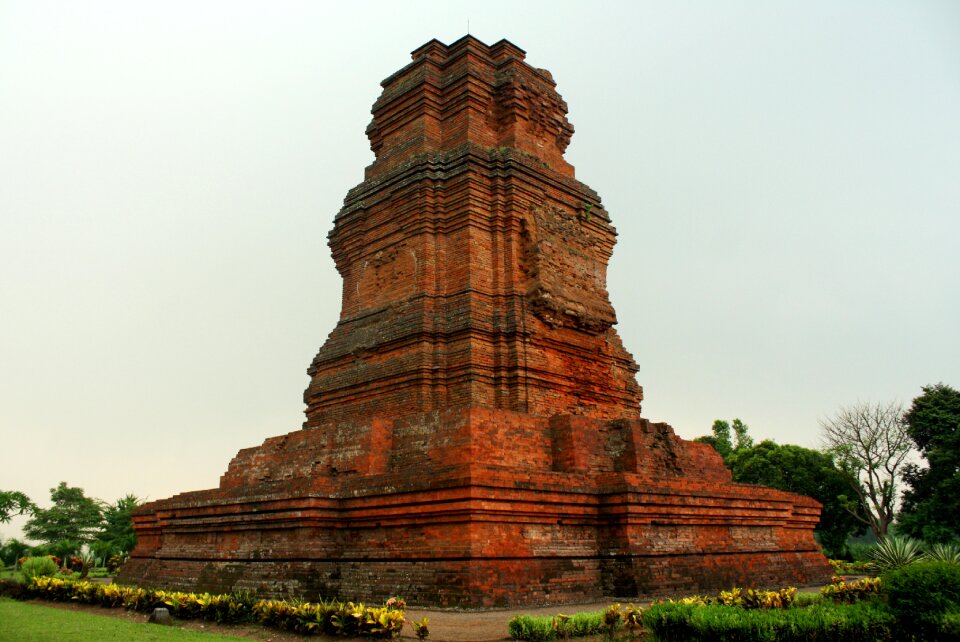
895	552
944	553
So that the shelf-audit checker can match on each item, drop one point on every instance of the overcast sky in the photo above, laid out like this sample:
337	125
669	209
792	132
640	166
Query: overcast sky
784	177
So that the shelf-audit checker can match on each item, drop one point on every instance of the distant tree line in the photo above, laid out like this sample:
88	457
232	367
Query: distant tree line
74	523
864	469
791	468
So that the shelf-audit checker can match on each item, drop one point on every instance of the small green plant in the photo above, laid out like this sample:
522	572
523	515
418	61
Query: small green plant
754	599
612	620
895	552
86	563
633	617
529	627
114	562
38	567
559	623
560	626
842	591
843	567
421	629
587	211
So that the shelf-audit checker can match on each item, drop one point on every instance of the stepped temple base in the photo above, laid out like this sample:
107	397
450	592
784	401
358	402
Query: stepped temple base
478	508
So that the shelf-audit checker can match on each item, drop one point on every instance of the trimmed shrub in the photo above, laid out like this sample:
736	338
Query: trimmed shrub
38	567
867	621
531	627
606	622
542	628
921	594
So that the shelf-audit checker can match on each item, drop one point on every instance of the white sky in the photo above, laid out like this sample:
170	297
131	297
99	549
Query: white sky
785	178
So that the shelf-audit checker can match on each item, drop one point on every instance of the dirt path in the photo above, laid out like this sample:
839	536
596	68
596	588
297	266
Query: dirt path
484	626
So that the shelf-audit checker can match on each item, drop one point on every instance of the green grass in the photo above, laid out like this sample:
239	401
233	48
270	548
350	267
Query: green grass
34	623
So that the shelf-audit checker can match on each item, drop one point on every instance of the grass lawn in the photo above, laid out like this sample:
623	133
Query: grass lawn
33	623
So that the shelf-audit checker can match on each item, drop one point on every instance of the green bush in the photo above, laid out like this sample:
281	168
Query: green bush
583	624
531	627
38	567
867	621
921	594
542	628
949	627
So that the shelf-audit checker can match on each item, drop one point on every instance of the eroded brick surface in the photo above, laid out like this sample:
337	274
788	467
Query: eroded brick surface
473	433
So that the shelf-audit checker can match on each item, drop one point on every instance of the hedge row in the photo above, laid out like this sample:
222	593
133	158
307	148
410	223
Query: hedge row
331	618
866	621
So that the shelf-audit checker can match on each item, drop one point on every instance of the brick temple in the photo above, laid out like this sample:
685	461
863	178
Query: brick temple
473	433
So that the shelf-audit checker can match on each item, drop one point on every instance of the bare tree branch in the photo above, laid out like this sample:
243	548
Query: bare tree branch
870	444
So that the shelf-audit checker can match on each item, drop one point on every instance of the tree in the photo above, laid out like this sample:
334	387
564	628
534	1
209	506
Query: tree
11	550
806	472
117	536
73	520
13	502
870	444
931	503
722	441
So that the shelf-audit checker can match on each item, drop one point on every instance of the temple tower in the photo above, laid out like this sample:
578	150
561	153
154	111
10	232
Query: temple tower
473	263
473	433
